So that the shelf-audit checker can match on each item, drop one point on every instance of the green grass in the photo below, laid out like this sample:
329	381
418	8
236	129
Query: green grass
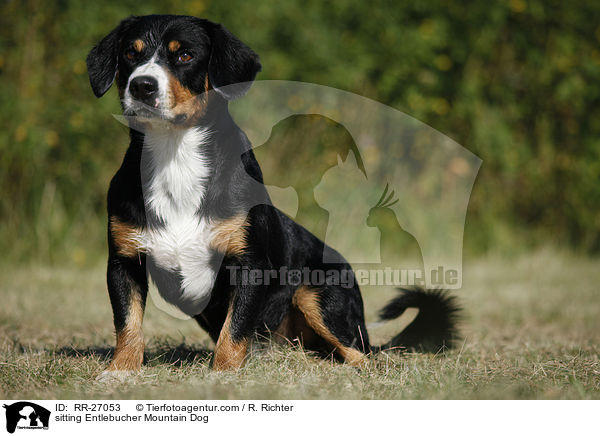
530	331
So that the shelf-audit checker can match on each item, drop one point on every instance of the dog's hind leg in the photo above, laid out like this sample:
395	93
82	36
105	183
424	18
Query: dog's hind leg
308	301
230	351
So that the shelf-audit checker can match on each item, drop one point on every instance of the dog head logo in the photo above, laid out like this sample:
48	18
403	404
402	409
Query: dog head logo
26	415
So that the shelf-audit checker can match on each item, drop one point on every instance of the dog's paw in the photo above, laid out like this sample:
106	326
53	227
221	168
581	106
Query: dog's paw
114	376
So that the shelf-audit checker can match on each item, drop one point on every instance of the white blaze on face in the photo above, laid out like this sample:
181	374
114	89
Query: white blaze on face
158	72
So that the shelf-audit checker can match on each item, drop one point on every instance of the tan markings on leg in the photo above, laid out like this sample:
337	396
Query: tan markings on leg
185	102
307	301
284	331
138	45
229	236
129	352
126	237
294	327
229	354
174	46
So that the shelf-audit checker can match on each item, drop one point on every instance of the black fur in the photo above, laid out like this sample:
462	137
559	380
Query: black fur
273	239
230	61
225	71
434	327
102	62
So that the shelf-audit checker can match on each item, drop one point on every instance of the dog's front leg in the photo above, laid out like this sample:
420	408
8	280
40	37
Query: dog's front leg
238	328
128	288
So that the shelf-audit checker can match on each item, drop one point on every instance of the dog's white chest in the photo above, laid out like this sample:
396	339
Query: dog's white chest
179	263
178	247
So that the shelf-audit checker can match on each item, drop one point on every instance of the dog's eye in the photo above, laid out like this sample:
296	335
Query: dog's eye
184	57
130	54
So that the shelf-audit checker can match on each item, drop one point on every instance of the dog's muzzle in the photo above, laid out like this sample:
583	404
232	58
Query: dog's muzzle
145	90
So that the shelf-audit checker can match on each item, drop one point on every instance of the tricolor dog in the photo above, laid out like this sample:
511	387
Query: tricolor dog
186	210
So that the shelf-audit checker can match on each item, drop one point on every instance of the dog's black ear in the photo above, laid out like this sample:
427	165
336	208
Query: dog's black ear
232	64
102	61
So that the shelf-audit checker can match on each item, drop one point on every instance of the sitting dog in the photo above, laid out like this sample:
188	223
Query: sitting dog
185	209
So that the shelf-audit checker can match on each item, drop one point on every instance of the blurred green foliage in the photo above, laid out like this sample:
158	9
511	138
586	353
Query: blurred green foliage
517	82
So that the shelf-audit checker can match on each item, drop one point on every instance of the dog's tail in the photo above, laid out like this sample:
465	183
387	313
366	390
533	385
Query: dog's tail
435	326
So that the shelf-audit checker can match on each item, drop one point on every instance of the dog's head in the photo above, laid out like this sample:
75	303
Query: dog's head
164	66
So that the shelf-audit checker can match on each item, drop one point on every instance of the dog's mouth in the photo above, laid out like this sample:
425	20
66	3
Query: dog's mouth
141	112
139	109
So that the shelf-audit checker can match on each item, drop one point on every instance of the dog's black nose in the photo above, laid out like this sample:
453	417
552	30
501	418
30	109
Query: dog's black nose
144	89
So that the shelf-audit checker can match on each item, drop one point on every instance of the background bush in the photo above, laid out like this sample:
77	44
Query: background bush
516	82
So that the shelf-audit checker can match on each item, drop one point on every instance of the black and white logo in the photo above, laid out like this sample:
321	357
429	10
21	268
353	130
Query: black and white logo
26	415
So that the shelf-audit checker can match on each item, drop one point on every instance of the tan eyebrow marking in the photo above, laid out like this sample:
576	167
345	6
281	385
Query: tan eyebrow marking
138	45
174	46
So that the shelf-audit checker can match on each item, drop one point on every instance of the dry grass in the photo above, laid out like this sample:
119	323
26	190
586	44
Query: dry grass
530	331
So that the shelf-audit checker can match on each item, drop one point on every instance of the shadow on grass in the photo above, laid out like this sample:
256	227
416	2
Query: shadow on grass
178	355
